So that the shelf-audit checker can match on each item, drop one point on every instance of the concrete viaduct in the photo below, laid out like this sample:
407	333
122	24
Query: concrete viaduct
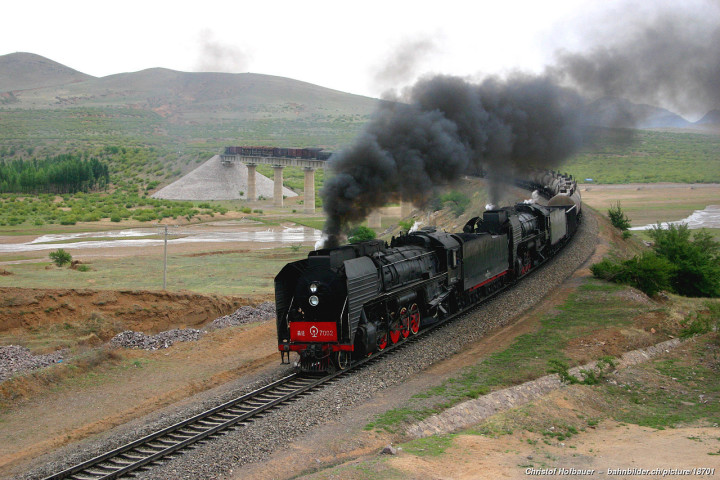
309	166
278	163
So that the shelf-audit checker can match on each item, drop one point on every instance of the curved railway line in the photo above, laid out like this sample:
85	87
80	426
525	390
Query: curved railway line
151	450
239	412
233	414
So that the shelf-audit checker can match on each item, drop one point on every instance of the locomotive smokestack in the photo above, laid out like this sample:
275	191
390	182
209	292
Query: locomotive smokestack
447	127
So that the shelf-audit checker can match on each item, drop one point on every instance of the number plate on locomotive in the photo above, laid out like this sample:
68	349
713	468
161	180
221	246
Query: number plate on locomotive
313	331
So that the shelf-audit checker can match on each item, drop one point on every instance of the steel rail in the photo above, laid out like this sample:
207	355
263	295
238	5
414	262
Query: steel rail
148	449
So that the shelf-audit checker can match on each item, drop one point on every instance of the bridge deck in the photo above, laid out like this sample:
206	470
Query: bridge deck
279	161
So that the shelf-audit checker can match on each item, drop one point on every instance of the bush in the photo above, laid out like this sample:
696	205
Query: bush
593	376
406	225
458	201
696	260
361	234
648	272
702	322
689	267
618	218
60	257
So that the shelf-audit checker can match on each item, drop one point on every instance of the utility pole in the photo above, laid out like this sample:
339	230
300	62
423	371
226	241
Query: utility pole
165	236
165	260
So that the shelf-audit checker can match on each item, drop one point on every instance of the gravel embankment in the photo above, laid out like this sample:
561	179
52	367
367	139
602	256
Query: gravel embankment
16	359
263	312
279	427
245	314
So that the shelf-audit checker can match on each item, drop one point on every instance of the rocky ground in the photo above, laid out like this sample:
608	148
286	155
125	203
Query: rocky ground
15	359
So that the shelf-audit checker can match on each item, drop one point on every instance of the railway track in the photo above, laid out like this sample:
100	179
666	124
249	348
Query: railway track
166	442
236	413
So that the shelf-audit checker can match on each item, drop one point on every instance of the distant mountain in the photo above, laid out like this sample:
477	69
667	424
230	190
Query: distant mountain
618	112
23	71
41	83
711	118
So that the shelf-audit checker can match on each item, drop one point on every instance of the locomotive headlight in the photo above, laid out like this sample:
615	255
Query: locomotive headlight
314	300
313	288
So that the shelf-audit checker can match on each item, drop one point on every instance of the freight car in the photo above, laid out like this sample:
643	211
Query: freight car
279	152
345	303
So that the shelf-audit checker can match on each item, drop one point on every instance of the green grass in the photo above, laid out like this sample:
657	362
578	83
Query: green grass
643	234
652	156
591	308
213	274
432	446
23	211
668	391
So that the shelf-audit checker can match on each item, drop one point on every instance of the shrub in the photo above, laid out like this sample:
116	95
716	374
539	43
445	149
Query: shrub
591	376
458	201
618	218
361	234
406	225
60	257
648	272
690	267
696	260
702	322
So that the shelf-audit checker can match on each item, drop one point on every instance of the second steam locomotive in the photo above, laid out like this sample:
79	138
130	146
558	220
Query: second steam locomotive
351	301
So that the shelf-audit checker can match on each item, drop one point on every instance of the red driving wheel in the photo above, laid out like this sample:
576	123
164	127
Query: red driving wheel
414	323
405	322
382	341
395	329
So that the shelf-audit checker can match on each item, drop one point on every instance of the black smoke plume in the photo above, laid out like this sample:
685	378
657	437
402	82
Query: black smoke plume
663	57
446	128
403	62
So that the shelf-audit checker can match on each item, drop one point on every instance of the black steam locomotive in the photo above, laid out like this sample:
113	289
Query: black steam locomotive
348	302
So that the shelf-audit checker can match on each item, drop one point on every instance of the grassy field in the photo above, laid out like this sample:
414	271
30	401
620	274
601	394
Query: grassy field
594	307
648	156
220	273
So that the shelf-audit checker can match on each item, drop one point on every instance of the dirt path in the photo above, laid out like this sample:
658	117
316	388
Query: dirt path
609	446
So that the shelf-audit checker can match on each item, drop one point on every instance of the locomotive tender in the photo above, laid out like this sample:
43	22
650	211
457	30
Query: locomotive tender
351	301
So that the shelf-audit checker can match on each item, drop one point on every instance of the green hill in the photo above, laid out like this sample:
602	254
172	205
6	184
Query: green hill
47	108
24	71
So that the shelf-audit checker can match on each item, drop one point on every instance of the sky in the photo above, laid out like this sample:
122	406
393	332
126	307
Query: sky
345	45
368	48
